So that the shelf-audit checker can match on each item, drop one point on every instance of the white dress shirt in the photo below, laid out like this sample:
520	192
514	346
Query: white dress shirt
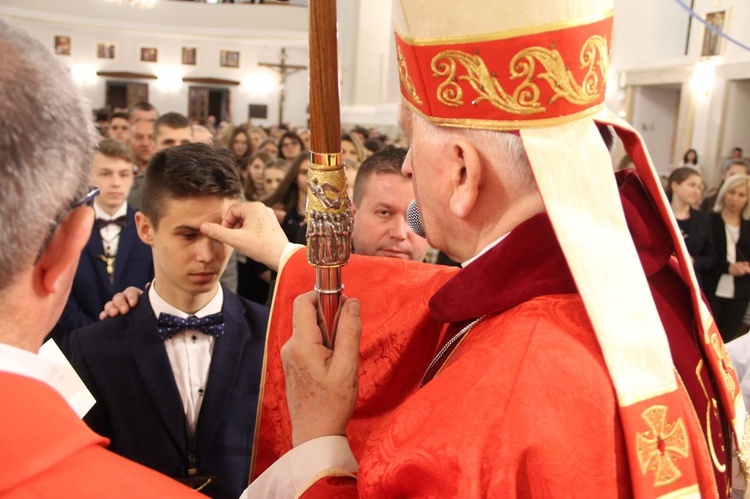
189	353
111	233
24	363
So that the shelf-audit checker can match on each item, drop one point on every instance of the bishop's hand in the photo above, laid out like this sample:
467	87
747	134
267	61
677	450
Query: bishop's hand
321	384
253	230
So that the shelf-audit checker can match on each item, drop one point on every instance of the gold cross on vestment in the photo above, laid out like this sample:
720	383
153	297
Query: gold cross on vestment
660	446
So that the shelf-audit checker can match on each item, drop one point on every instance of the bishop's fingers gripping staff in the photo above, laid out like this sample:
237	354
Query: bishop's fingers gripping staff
329	219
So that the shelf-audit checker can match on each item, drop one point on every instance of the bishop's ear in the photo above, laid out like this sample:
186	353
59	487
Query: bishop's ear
145	228
465	176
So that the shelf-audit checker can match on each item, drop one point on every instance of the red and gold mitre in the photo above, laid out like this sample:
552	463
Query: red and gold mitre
539	68
507	73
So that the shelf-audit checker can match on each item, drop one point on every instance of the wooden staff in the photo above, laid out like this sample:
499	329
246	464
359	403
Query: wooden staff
329	219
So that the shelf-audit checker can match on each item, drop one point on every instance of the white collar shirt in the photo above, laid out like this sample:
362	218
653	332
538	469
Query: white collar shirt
189	353
111	233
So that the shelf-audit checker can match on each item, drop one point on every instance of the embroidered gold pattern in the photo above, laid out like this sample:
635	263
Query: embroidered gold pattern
660	445
711	405
405	78
743	452
725	363
524	99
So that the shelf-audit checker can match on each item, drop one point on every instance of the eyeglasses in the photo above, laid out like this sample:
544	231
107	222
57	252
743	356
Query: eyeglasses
288	144
87	200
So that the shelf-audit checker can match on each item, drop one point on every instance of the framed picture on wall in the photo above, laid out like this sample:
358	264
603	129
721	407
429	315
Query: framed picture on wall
712	41
229	59
149	54
106	50
189	56
62	45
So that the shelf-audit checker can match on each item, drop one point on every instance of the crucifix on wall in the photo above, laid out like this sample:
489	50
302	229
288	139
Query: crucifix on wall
284	70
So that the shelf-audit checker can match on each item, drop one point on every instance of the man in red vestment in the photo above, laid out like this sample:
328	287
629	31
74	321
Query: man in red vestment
47	143
578	359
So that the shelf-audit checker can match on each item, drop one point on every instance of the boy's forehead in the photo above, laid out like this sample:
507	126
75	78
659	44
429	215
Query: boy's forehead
186	210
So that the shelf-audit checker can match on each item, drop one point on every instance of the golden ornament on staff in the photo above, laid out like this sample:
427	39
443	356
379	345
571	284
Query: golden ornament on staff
329	219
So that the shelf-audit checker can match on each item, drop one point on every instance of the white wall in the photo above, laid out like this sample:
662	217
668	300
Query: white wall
169	27
737	130
655	117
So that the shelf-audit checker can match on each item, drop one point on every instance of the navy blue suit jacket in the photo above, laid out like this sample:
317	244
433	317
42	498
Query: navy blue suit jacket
91	288
125	365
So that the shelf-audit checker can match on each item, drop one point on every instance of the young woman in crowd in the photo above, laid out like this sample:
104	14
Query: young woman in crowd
290	146
269	145
684	192
729	280
290	199
352	148
257	136
690	158
239	144
274	174
253	175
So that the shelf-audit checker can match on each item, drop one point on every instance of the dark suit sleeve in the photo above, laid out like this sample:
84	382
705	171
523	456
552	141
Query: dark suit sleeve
73	316
705	255
97	418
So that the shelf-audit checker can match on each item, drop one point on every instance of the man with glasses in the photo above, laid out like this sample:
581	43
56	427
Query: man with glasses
46	144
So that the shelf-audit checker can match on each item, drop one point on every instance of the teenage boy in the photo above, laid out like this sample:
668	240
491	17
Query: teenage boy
114	257
176	380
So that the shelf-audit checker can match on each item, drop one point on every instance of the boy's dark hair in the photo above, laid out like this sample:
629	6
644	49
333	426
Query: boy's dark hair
175	121
118	115
143	106
185	171
387	160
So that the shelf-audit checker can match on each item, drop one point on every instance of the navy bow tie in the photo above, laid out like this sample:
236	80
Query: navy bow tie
100	223
167	325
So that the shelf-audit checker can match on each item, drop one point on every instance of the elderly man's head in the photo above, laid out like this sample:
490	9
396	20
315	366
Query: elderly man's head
47	141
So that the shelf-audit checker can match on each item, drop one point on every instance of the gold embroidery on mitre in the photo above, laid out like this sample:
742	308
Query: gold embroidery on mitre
524	99
725	363
405	78
660	445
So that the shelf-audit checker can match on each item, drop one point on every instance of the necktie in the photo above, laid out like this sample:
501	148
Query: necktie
100	223
168	325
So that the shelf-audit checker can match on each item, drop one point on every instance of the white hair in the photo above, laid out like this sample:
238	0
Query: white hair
505	150
46	144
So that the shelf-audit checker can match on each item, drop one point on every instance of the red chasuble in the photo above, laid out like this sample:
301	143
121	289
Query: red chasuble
47	451
522	404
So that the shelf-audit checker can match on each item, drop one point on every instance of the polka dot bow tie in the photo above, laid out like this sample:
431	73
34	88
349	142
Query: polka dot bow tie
167	325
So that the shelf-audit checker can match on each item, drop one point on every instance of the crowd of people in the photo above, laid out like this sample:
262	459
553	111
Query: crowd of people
715	225
159	177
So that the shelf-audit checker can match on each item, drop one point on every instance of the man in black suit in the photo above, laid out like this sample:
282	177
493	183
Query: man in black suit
177	380
114	257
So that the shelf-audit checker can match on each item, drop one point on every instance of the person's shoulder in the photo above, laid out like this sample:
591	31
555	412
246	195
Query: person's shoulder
254	313
110	329
107	474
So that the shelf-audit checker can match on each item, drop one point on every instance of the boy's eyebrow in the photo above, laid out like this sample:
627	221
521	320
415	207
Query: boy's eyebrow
186	227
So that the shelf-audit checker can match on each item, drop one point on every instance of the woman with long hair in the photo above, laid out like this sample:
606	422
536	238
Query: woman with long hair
352	148
684	191
729	280
240	145
252	171
290	199
290	145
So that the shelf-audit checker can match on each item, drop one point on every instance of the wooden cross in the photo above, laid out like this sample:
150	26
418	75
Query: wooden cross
285	70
